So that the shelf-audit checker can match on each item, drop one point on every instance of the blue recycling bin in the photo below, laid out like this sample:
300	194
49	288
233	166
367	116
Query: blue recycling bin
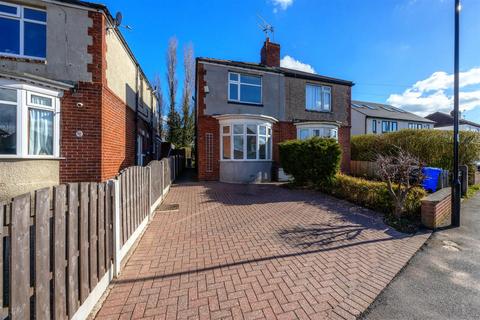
430	182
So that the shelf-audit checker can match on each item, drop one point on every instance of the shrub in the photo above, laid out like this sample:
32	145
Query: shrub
431	147
373	195
315	160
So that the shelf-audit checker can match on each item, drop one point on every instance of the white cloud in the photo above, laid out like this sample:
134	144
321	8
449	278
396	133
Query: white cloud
282	4
291	63
435	93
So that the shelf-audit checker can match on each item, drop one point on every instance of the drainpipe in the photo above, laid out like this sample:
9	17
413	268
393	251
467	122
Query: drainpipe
196	120
137	160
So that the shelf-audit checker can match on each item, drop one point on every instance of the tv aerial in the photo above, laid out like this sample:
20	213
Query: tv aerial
266	27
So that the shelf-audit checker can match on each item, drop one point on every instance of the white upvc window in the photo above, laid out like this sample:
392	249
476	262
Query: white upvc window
29	121
24	31
318	98
305	131
244	88
246	141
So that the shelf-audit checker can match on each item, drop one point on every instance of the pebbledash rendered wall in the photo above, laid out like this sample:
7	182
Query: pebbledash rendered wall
283	98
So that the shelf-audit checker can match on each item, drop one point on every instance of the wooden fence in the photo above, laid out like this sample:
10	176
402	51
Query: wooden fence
61	247
365	169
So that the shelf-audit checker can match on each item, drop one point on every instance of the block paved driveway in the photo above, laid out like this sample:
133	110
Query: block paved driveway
258	252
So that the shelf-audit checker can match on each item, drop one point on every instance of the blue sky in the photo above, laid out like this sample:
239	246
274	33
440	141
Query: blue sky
396	51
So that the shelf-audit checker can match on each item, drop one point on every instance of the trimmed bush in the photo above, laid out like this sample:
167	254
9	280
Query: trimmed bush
373	195
432	147
315	160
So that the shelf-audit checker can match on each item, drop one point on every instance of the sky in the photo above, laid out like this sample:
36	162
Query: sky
395	51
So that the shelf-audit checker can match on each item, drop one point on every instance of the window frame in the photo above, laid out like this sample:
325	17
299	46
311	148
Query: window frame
322	96
244	134
24	92
318	126
374	125
239	84
20	16
390	126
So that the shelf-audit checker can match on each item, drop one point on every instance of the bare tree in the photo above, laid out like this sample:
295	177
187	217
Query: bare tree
188	84
402	172
161	104
174	125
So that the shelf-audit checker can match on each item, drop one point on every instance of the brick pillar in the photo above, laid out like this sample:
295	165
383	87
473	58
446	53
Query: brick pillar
344	140
208	148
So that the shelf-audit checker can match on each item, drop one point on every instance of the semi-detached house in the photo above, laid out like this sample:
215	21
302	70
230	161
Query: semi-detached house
244	110
74	103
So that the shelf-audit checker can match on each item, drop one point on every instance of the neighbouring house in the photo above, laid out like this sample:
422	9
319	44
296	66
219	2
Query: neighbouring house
244	110
377	118
75	104
444	121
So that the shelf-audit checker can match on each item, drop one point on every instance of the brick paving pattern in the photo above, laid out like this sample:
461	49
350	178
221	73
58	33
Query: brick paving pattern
258	252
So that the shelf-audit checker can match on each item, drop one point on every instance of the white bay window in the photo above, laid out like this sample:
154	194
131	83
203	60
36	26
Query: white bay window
246	141
29	121
322	130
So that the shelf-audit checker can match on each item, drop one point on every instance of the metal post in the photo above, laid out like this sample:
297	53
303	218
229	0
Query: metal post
456	179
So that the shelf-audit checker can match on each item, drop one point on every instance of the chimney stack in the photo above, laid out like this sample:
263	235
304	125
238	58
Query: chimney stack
270	54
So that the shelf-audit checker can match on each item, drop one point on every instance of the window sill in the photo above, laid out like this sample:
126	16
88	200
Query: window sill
23	59
244	160
15	157
245	103
319	111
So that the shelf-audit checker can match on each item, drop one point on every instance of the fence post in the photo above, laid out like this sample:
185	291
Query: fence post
116	227
149	170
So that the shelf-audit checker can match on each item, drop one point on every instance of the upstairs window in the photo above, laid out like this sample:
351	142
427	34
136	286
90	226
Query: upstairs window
244	88
24	31
318	98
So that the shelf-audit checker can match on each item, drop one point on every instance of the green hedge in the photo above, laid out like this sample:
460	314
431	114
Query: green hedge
315	160
432	147
373	195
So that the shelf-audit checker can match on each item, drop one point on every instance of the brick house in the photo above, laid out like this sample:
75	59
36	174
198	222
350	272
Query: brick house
244	110
75	104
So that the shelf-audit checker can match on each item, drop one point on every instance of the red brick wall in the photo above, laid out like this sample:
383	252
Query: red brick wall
81	154
206	124
118	135
282	131
107	123
270	54
436	208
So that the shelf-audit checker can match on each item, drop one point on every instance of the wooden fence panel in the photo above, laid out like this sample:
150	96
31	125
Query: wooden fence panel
4	211
101	231
72	249
93	235
42	254
20	258
124	208
83	242
363	169
59	262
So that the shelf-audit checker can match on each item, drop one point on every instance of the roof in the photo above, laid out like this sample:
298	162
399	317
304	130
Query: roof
444	120
285	71
37	80
378	110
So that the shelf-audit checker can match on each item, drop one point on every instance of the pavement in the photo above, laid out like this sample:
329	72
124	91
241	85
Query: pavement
235	251
443	280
